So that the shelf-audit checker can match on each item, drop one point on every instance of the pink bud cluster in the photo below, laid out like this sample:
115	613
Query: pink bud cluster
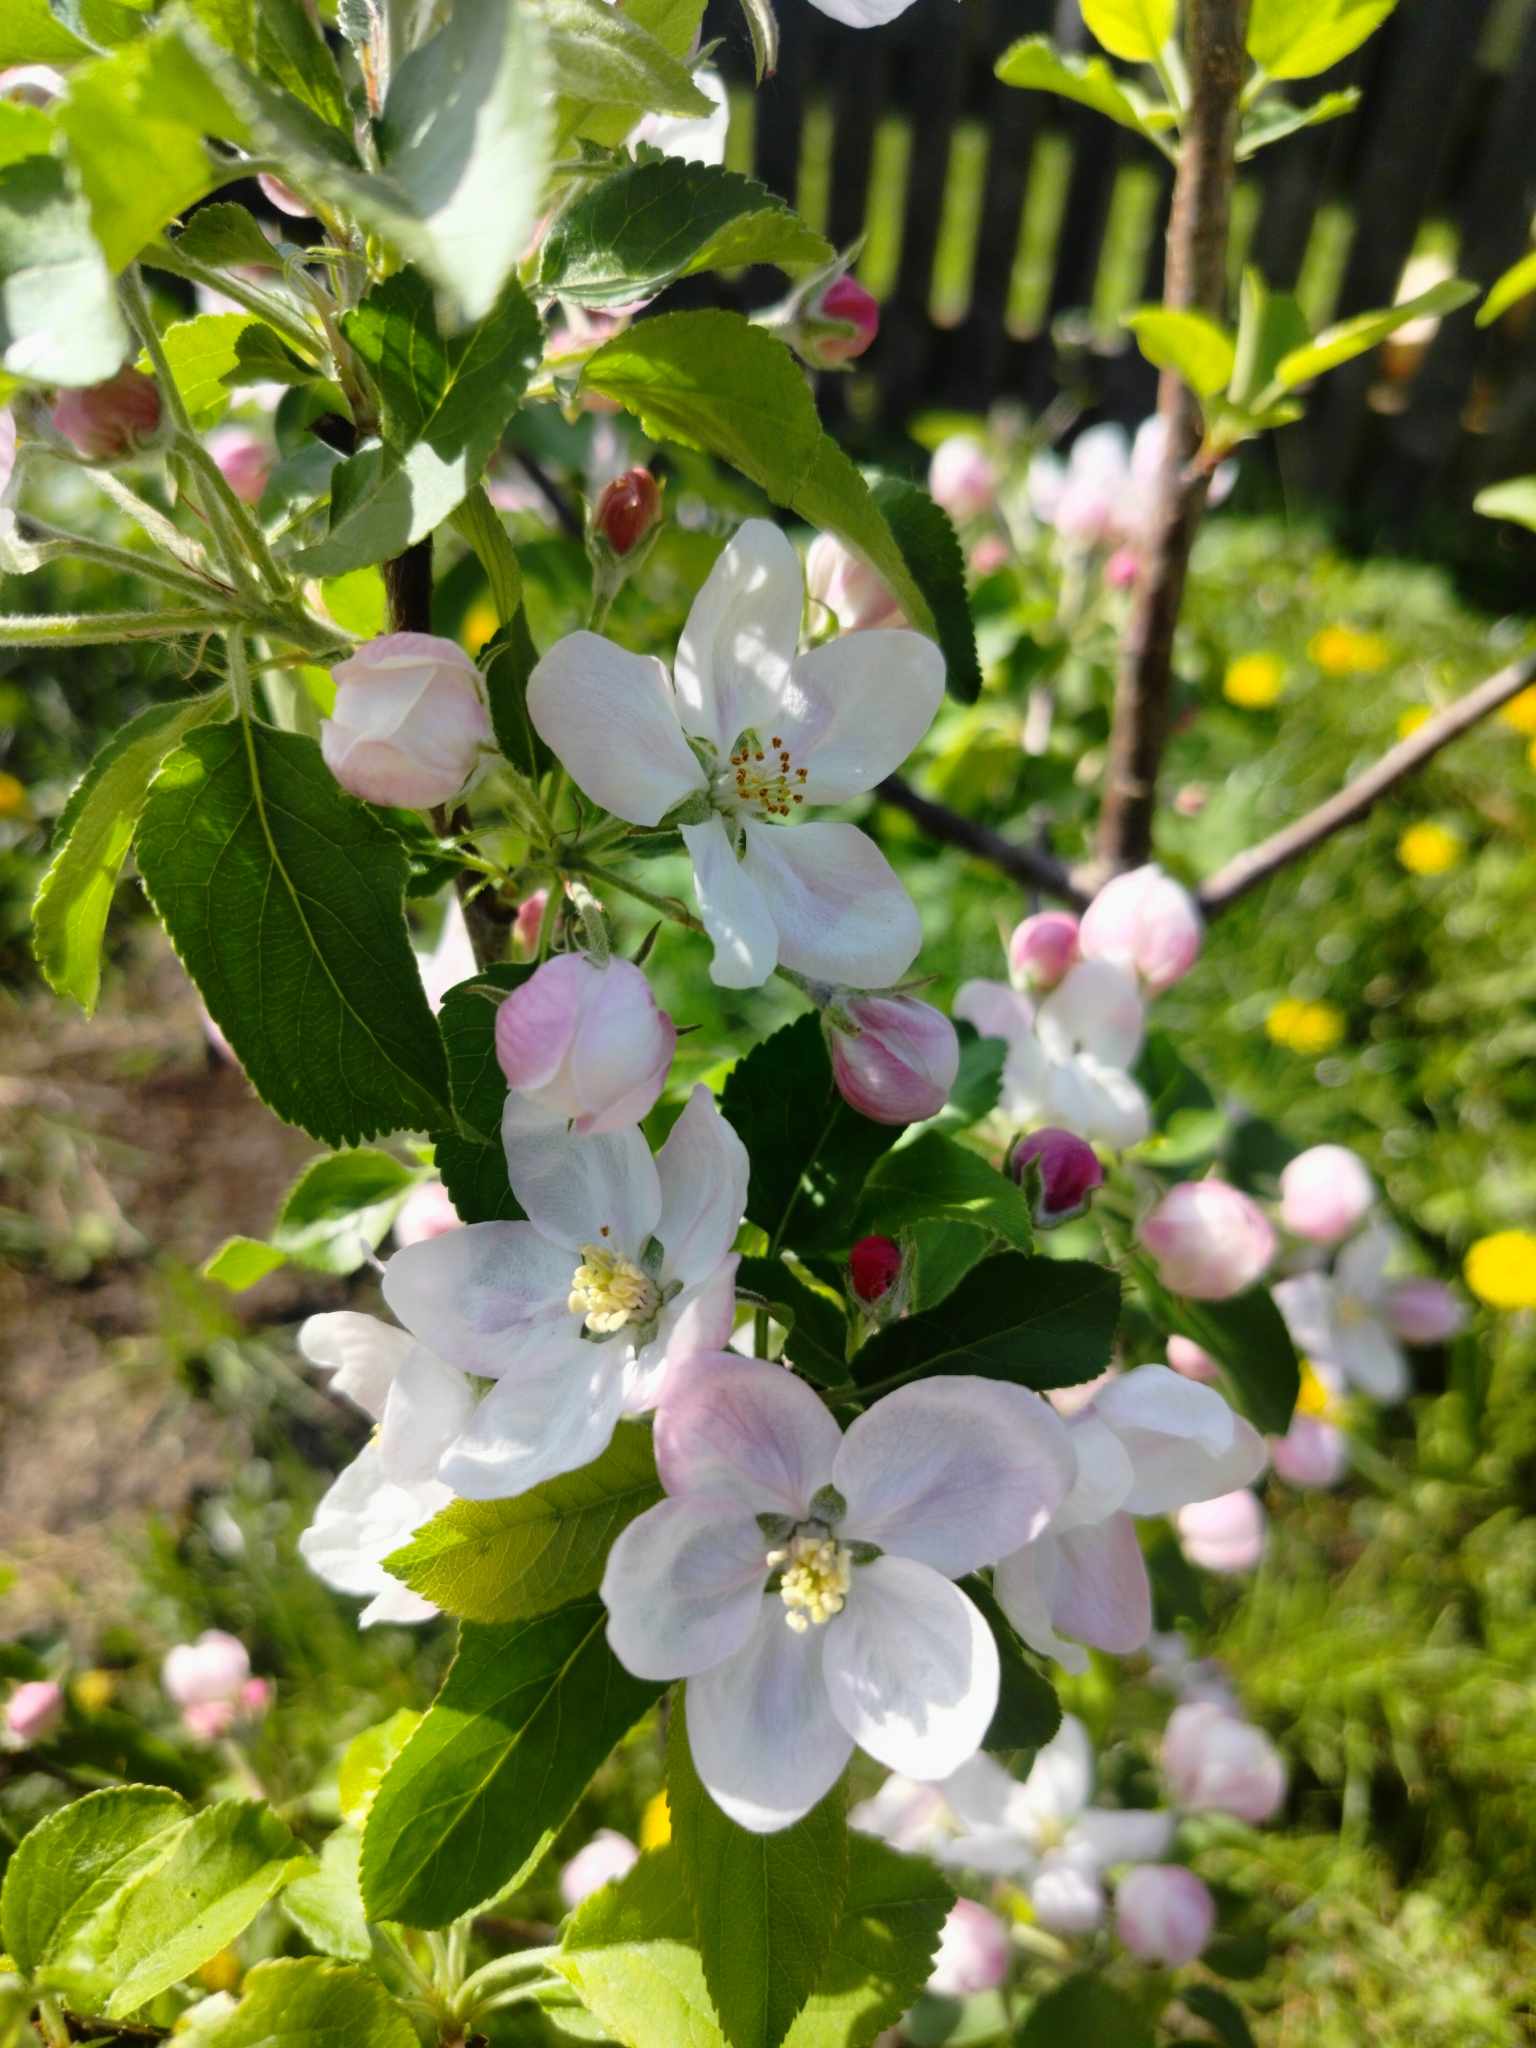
210	1680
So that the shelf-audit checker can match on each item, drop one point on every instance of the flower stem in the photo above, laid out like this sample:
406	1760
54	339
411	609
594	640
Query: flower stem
667	905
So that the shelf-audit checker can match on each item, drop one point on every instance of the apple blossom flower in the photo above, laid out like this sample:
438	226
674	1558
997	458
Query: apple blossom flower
1424	1312
411	727
1192	1678
210	1680
1216	1762
427	1211
420	1402
623	1266
1103	495
1070	1055
862	13
362	1518
1164	1914
1191	1359
1062	1168
874	1267
1325	1194
1145	923
583	1045
1226	1534
1042	950
846	586
606	1858
696	138
31	85
1313	1452
1345	1319
801	1580
745	734
961	477
1210	1241
899	1062
244	460
1122	569
1149	1442
974	1952
111	420
34	1710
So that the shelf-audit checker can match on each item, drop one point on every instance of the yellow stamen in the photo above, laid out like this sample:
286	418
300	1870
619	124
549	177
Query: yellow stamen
818	1571
608	1291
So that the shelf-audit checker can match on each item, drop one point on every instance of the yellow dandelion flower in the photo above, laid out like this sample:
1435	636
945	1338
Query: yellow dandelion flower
1501	1269
1410	721
1429	849
1520	712
1254	681
13	796
480	622
656	1823
1346	651
1308	1028
93	1690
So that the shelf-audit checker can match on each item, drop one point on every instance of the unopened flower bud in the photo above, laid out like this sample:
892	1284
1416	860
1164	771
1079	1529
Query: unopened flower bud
583	1045
1225	1534
1067	1896
628	511
990	554
961	477
1325	1194
1424	1312
849	589
31	85
1147	923
1210	1240
1042	949
1164	1914
1060	1169
282	196
34	1710
410	725
529	921
211	1670
1216	1762
427	1211
606	1858
255	1698
1188	1358
1312	1453
244	460
109	421
1122	569
834	325
973	1954
874	1267
900	1062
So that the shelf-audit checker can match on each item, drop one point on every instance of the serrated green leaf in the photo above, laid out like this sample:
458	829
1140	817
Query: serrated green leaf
225	234
935	1180
930	548
366	1759
340	1208
1517	283
1084	2009
506	1560
1514	499
1036	65
59	319
608	68
91	841
1272	120
212	352
1191	344
635	233
292	50
31	34
320	996
526	1715
1299	38
302	2002
711	380
326	1904
1039	1322
1133	29
818	1326
470	1158
240	1262
883	1950
65	1883
1365	331
1270	325
765	1907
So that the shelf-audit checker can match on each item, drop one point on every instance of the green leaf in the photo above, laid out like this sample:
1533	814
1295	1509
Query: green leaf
211	352
240	1262
765	1907
1133	29
326	1904
980	1079
810	1152
318	992
509	659
1270	325
1221	2014
1365	331
1272	120
711	380
1246	1334
366	1759
817	1326
527	1713
474	1167
292	50
935	1180
1514	499
507	1560
31	34
224	234
91	841
607	63
1518	282
339	1209
1299	38
1190	344
1036	65
883	1951
59	319
64	1884
1028	1711
24	131
445	401
1039	1322
930	548
302	2002
1084	2009
1189	1126
635	233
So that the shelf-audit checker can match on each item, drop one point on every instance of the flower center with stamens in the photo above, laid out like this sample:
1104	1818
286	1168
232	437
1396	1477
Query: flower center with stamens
762	776
817	1572
609	1291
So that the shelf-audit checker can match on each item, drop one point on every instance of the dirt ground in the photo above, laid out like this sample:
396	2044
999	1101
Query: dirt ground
128	1151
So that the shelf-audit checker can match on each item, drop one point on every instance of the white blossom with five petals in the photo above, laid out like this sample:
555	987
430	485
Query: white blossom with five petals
1070	1054
1343	1318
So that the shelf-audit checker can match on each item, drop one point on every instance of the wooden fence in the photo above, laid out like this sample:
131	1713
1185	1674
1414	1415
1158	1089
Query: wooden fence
1010	230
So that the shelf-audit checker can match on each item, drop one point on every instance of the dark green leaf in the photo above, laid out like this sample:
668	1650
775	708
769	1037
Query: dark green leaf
945	1253
474	1168
980	1079
225	234
817	1342
339	1209
931	549
883	1951
1040	1322
1220	2013
509	660
1085	2009
935	1180
1028	1711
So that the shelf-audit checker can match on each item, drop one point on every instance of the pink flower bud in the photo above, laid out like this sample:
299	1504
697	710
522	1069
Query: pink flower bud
850	590
1311	1453
1062	1169
282	196
1424	1311
1225	1534
427	1211
1216	1762
410	725
213	1669
838	323
1122	569
1067	1896
874	1267
108	421
529	921
31	85
990	554
974	1952
244	460
1147	923
606	1858
961	477
628	510
1188	1358
1042	949
901	1065
584	1044
255	1698
1325	1194
208	1720
1164	1914
1209	1240
34	1710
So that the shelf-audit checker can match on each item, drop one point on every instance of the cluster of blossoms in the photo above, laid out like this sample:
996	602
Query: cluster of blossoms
210	1681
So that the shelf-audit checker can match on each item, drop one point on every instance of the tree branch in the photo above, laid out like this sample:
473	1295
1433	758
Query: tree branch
1028	866
1258	863
1195	274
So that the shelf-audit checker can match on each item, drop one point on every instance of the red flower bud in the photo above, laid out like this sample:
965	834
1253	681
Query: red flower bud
1062	1168
108	421
830	327
874	1267
629	509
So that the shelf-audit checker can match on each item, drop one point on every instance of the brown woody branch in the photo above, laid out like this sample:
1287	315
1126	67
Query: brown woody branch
1258	863
1029	866
1195	281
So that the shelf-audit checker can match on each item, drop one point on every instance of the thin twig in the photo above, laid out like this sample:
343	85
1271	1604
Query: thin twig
1258	863
1028	866
565	514
1196	281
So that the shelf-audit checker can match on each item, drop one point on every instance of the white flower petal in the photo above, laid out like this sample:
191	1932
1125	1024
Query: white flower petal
429	1403
1306	1301
955	1471
397	1604
996	1010
553	1410
361	1354
611	719
1025	1585
684	1587
842	914
742	631
1371	1358
475	1295
1060	1781
576	1191
703	1169
760	1728
1102	1593
1185	1441
1360	1270
1105	1836
1099	1102
363	1517
911	1669
739	1430
862	13
735	911
1097	1009
857	707
1104	1473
